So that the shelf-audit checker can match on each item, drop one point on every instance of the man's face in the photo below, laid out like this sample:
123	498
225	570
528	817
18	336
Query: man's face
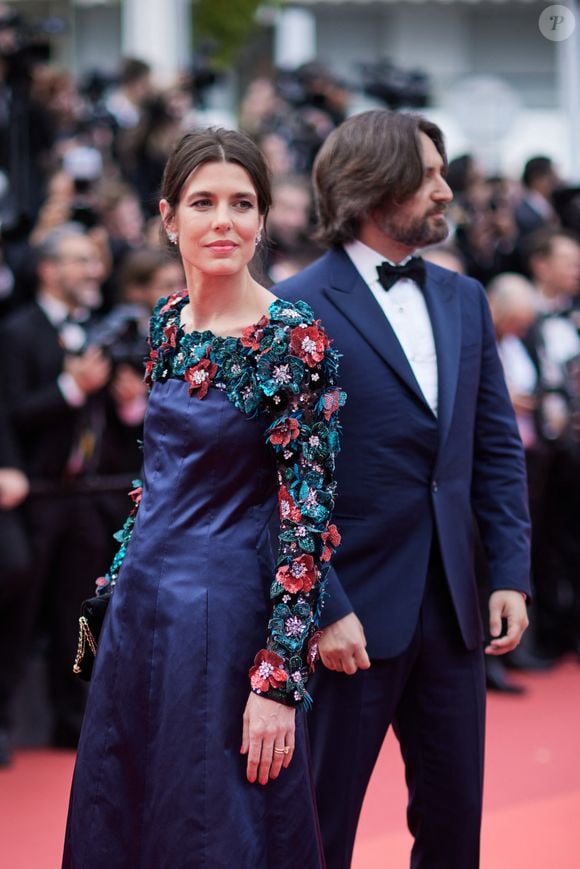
288	217
420	220
559	272
564	265
78	272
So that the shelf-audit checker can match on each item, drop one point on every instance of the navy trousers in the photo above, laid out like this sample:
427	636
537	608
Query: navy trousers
434	696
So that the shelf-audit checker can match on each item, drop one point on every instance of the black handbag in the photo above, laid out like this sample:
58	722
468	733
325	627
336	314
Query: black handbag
90	623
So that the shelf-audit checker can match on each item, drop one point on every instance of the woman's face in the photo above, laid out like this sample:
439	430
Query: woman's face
216	220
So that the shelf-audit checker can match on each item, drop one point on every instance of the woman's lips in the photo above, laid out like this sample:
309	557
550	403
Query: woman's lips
222	246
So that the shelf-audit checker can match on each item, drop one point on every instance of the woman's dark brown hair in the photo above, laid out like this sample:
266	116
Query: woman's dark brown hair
371	161
215	145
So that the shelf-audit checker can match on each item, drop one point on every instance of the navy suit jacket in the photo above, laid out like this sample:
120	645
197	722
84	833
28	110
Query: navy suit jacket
405	475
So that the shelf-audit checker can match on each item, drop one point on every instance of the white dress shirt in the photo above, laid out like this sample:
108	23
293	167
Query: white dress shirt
522	378
72	339
404	307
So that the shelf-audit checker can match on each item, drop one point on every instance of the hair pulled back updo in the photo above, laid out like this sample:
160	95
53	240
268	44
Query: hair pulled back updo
215	145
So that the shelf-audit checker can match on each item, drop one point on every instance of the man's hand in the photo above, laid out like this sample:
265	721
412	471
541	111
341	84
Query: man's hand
91	371
13	488
267	737
509	605
342	646
127	385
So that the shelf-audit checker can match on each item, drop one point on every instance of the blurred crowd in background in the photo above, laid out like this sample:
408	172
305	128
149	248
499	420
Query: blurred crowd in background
82	262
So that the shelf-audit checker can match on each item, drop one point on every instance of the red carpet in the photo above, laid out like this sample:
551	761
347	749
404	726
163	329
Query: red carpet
532	804
532	787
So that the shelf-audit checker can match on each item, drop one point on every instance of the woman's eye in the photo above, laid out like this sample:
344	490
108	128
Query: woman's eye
244	204
201	203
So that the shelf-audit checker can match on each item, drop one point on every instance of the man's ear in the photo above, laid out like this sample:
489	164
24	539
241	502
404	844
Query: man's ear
46	271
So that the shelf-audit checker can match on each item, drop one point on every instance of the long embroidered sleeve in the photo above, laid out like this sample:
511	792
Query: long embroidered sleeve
298	374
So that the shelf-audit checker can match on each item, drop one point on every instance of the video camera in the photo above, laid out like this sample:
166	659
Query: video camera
22	42
395	87
122	335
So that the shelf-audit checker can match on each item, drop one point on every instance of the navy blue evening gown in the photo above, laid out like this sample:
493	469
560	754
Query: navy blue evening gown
229	437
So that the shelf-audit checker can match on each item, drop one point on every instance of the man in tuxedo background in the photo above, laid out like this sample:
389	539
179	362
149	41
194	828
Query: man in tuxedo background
14	576
429	442
72	413
536	209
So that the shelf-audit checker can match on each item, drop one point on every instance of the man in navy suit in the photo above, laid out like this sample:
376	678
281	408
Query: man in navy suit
430	448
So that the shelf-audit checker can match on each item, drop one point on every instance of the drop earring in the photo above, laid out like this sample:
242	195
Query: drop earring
172	236
258	238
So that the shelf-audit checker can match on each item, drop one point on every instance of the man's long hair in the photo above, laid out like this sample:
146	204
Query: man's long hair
371	161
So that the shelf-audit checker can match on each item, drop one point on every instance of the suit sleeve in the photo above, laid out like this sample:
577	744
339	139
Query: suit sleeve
499	486
9	455
337	604
31	404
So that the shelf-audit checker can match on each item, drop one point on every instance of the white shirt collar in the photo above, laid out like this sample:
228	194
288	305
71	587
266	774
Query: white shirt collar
55	310
366	260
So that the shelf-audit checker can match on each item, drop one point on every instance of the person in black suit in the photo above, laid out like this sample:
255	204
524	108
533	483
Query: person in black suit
553	344
14	576
536	210
77	420
429	441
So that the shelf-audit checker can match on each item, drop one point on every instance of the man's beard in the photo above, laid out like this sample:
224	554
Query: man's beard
414	232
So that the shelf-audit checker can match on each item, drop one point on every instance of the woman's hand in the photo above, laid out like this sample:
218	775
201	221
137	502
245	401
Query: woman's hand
268	737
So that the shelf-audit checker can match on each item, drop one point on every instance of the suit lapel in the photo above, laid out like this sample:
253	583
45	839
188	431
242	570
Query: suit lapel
350	294
442	298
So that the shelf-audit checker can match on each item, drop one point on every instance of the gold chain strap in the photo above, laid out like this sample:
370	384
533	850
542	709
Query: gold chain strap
85	636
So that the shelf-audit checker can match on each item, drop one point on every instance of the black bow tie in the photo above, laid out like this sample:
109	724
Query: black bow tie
414	270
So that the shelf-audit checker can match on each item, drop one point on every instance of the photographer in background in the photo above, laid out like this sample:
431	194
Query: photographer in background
15	577
146	276
482	212
553	261
77	418
289	228
536	208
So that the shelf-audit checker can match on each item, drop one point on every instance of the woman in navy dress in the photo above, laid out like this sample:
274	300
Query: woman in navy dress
193	750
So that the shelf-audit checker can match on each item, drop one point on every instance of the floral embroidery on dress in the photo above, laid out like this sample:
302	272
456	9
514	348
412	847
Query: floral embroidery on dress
106	583
283	366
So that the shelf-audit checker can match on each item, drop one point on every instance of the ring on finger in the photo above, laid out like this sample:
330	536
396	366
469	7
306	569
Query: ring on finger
285	750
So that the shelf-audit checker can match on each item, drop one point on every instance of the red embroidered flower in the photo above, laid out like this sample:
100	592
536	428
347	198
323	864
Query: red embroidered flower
284	431
331	539
313	653
268	671
170	333
200	376
172	301
135	495
332	401
309	343
299	575
252	335
288	509
150	364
